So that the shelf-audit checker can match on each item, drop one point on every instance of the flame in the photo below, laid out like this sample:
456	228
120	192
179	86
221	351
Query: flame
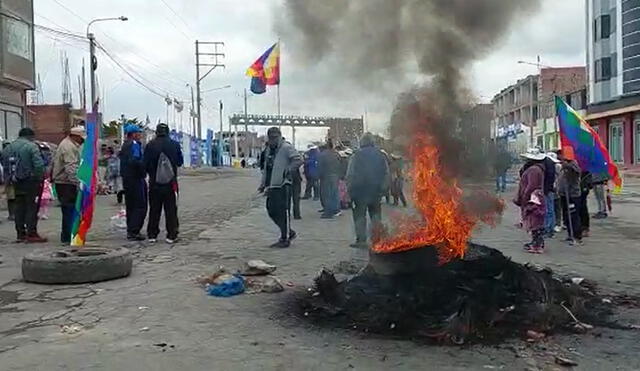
442	221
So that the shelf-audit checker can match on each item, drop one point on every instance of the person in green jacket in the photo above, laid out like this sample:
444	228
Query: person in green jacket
25	169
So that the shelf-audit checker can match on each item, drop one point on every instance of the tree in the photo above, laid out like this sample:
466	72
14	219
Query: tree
112	129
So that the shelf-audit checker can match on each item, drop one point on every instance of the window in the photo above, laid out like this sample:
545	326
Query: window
605	26
18	38
616	142
603	69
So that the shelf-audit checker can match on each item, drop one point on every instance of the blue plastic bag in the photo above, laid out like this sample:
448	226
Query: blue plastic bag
232	286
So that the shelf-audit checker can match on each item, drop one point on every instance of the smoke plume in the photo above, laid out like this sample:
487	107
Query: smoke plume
427	45
374	41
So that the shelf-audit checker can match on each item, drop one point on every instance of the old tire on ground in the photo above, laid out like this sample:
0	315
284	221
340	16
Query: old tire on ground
74	265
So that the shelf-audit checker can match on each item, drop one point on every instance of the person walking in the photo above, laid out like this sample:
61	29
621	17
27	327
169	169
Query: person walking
586	183
397	181
550	162
25	171
296	190
569	191
162	158
530	199
9	189
329	174
501	166
280	160
367	180
311	174
65	179
599	186
133	175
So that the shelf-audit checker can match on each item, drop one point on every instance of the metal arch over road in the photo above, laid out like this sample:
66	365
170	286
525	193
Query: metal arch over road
340	129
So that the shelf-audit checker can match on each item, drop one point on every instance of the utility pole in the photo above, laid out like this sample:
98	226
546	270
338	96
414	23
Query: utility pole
93	65
211	62
220	146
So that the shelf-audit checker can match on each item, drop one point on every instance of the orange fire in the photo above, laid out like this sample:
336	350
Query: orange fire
442	221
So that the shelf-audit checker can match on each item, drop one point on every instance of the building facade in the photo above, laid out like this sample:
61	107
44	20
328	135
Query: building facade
17	69
613	58
524	113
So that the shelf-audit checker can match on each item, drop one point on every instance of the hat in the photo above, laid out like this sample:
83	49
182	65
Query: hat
553	157
162	129
132	128
533	154
78	130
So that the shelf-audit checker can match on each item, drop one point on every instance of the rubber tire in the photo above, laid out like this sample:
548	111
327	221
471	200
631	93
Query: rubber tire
45	267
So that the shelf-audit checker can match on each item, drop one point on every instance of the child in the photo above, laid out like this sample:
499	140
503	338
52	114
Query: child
112	175
46	198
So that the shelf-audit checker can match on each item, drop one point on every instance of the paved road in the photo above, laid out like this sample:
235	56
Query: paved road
122	324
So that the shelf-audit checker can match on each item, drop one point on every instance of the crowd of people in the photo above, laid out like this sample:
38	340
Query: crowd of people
553	195
146	176
338	177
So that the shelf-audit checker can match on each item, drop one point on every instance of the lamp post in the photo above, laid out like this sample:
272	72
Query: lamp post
92	57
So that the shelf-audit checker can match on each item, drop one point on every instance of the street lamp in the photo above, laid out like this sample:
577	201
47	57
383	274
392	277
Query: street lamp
92	57
218	88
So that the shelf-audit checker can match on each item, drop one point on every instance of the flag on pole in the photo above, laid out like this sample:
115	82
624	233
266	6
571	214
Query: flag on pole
266	70
582	143
88	177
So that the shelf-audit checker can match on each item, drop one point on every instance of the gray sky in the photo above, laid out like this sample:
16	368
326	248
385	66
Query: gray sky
158	46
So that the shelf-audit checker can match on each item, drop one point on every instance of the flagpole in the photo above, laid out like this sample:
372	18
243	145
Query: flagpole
280	126
279	81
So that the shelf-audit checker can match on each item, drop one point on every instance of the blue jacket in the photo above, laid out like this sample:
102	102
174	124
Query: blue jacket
311	164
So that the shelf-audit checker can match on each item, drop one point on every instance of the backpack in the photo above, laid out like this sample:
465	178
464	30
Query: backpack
164	171
16	171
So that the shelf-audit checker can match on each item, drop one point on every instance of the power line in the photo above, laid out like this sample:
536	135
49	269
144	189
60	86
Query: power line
71	11
177	15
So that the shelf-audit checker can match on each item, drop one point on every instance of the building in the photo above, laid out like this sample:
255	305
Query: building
51	122
519	108
613	59
547	130
474	130
17	69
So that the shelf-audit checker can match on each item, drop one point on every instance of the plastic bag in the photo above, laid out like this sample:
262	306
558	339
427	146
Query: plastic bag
119	221
230	287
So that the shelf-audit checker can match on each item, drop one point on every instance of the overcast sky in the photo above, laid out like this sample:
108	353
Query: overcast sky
157	45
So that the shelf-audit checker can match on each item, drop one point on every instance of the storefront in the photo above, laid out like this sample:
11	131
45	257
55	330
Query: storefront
621	135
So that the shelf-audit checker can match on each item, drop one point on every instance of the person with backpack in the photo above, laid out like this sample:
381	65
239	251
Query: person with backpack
133	174
162	158
65	178
24	168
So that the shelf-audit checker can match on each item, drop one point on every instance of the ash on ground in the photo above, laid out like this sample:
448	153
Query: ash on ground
484	297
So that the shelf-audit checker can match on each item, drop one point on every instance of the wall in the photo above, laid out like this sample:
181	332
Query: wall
50	122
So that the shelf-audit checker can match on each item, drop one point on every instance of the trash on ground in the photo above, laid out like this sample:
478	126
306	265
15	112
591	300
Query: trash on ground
71	329
268	284
577	280
144	329
562	361
257	268
119	221
535	335
227	287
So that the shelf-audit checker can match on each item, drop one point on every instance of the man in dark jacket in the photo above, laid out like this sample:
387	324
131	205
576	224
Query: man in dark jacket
24	169
367	180
569	191
501	166
162	194
133	175
311	174
280	160
329	171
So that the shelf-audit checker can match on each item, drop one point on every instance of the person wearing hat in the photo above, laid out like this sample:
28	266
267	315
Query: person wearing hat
25	171
133	175
65	179
530	199
163	183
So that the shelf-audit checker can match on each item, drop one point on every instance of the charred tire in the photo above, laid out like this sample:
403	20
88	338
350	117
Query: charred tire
76	265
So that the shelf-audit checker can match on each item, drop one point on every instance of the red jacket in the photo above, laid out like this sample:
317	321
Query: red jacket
532	180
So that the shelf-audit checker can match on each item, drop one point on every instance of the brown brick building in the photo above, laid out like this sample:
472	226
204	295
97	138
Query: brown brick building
52	122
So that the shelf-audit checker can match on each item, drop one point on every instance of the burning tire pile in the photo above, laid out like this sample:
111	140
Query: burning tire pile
484	297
